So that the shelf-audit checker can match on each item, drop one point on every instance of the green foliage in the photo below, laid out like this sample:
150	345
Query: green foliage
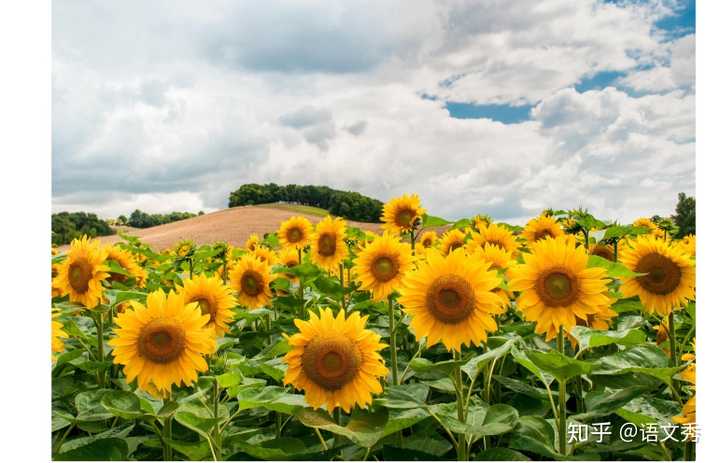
140	219
684	216
66	226
347	204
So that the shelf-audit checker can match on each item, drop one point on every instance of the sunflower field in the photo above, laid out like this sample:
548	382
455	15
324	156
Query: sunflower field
567	339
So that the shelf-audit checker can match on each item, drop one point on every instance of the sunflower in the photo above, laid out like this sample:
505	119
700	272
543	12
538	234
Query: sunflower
687	245
481	221
493	234
251	278
557	286
645	222
295	232
542	227
687	415
603	250
452	240
669	275
252	242
600	320
500	260
450	299
382	264
183	248
56	291
214	299
58	334
126	260
264	255
401	214
162	343
81	274
327	245
335	360
428	239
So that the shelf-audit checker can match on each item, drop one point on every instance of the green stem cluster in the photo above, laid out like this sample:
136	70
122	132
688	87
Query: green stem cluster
393	346
562	425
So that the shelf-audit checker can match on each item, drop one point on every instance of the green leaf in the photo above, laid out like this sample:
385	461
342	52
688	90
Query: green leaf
404	396
112	449
432	221
522	387
588	338
229	379
271	398
399	419
521	357
500	454
647	409
560	366
601	403
123	404
614	269
365	428
646	359
89	407
473	367
620	231
195	451
497	419
428	370
199	418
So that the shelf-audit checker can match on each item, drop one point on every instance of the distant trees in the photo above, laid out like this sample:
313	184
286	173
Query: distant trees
67	226
348	204
140	219
684	216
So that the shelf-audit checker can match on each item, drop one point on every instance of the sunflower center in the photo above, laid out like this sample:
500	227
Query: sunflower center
161	341
427	242
497	243
327	244
331	362
384	268
251	283
557	288
294	235
206	307
604	252
404	217
450	299
540	234
663	275
79	275
454	245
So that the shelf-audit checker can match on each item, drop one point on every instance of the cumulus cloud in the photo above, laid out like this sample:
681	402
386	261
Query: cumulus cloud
172	105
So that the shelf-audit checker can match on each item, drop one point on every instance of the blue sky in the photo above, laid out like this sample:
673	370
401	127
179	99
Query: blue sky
480	107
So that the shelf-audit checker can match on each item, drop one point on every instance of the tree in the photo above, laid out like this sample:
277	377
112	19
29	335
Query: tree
684	216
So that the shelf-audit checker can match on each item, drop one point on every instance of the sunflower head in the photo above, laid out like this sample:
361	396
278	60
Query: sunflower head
57	335
481	221
295	232
252	242
335	360
213	298
450	299
126	260
428	239
687	415
401	214
542	227
81	274
184	247
382	264
557	287
687	245
668	279
603	250
452	240
251	278
645	222
264	255
327	244
494	234
163	342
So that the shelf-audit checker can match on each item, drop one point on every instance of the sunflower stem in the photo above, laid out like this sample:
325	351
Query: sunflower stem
301	289
615	249
100	348
166	437
671	335
342	287
462	442
393	349
216	428
562	427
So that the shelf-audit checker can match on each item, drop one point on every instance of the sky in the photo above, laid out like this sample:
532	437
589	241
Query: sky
493	107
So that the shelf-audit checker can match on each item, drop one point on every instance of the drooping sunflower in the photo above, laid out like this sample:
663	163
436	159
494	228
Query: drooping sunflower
162	343
669	274
252	242
81	274
493	234
126	260
542	227
265	255
451	299
251	279
452	240
603	250
214	299
295	232
428	239
58	334
687	245
335	360
557	287
400	214
327	244
382	264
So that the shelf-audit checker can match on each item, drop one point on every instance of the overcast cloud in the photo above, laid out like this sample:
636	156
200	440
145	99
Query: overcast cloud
170	105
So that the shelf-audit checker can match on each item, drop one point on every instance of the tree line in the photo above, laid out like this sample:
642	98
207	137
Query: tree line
348	204
140	219
66	226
